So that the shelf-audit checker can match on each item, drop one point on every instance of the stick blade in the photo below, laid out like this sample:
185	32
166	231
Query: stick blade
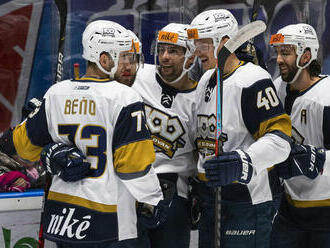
244	34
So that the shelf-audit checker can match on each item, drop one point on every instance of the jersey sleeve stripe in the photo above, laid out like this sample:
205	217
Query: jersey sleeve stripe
202	177
128	176
134	157
308	204
280	123
130	126
24	148
76	200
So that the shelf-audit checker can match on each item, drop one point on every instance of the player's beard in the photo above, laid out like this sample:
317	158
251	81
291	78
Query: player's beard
289	74
170	74
127	81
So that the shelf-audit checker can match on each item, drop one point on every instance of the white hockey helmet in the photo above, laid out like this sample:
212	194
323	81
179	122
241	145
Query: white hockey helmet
137	48
300	35
137	42
213	24
175	34
105	36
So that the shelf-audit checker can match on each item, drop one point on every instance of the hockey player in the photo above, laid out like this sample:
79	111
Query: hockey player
105	120
169	97
126	72
256	133
303	217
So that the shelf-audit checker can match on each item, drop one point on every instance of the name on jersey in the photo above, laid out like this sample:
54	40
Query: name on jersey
67	226
166	131
79	107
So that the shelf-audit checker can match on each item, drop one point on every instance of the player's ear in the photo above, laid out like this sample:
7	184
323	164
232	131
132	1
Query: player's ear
306	57
106	60
222	42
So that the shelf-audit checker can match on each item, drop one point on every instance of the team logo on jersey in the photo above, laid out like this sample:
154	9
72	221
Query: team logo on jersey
167	100
68	225
206	134
166	131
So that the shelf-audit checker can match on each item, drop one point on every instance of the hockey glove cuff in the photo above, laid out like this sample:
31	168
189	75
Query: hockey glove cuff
303	160
229	167
153	216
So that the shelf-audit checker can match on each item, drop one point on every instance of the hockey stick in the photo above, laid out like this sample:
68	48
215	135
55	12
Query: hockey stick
244	34
62	9
250	47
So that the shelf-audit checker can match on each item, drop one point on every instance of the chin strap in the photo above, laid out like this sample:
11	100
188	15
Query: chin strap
184	71
300	68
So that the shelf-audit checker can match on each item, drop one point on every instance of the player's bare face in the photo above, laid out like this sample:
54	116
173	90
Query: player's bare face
171	59
127	67
205	51
286	60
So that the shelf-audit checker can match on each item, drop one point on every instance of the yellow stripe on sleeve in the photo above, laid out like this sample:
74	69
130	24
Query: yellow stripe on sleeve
308	204
24	148
279	123
202	177
134	157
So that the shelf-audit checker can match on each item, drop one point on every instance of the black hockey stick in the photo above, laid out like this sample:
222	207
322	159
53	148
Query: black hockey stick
62	10
244	34
250	47
255	10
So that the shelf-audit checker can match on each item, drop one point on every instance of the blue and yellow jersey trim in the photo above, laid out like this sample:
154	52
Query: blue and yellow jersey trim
79	201
308	204
279	123
93	79
262	110
132	145
24	148
134	158
32	135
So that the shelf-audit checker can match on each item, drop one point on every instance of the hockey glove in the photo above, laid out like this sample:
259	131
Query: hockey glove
250	53
303	160
30	106
227	168
65	161
153	216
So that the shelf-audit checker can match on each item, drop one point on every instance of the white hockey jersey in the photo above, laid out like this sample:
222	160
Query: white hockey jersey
253	120
170	115
105	120
310	115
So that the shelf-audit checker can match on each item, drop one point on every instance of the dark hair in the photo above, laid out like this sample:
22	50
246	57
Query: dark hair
314	68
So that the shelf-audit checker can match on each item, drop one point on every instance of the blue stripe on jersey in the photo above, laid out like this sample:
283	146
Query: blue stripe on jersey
128	176
131	126
37	128
326	127
259	103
